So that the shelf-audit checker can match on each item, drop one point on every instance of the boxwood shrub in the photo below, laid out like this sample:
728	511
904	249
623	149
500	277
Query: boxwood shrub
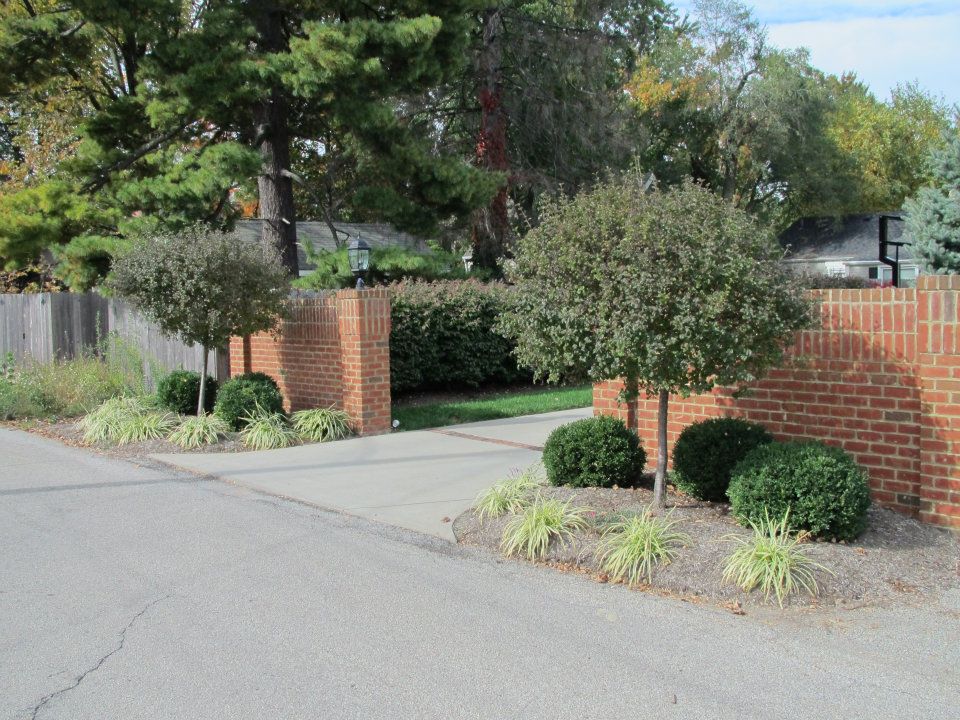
707	451
239	397
443	336
824	489
593	452
179	391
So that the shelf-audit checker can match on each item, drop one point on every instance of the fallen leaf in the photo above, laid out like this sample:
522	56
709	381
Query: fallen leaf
734	607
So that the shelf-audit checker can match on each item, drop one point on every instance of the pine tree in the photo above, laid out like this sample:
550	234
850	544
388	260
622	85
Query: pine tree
191	108
933	214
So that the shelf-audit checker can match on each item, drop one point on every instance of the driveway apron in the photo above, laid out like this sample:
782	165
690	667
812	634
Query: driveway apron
419	480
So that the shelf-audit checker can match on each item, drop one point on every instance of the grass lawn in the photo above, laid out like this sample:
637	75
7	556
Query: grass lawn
491	407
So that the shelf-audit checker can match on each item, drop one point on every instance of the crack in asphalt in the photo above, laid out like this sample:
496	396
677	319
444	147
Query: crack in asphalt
79	679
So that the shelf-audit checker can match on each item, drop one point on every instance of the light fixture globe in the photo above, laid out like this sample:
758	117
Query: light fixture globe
358	254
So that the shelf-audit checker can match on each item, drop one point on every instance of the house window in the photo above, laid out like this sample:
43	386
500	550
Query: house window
884	274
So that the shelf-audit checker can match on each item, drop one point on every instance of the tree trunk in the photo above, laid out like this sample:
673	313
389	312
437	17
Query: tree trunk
201	402
660	479
277	212
491	226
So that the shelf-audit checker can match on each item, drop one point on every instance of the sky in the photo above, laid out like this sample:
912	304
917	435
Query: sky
885	42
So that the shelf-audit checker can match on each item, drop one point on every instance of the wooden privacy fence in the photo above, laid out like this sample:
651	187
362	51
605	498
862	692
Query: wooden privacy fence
57	326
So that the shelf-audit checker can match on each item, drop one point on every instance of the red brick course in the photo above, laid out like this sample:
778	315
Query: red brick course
331	350
880	378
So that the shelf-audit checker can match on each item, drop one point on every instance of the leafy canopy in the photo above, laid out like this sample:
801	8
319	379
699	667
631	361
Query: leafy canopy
203	285
167	103
676	289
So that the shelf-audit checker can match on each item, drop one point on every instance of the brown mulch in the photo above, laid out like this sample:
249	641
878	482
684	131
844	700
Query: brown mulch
898	560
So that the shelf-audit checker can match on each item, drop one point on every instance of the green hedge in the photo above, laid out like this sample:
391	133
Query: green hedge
824	489
706	453
179	392
245	395
387	264
443	336
593	452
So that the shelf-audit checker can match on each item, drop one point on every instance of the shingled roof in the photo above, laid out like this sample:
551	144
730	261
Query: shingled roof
852	237
319	236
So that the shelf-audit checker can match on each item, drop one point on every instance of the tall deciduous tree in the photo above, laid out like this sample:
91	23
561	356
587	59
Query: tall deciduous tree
545	101
196	104
886	142
676	291
714	101
933	214
203	286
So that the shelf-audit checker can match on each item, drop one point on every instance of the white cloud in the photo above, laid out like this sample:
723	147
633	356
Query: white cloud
883	51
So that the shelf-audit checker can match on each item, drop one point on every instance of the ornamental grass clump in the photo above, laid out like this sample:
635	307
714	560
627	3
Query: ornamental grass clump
150	425
530	533
110	419
631	548
772	559
511	495
267	431
321	424
199	430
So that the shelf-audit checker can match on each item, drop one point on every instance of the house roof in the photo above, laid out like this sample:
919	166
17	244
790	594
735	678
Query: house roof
319	236
850	238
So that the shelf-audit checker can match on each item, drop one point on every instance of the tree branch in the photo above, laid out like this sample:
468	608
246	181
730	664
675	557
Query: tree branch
103	176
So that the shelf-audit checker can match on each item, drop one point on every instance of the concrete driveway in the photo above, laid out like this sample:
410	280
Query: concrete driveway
418	480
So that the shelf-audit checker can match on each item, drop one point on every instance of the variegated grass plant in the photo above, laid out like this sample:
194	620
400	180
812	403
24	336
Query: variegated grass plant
632	547
510	495
200	430
530	532
267	431
772	559
321	424
124	420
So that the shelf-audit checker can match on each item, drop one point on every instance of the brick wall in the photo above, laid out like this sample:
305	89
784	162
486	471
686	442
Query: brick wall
879	377
332	350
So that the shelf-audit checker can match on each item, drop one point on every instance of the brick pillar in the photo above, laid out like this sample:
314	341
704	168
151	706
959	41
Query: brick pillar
938	316
364	323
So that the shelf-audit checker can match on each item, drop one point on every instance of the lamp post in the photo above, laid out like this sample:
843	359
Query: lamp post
358	253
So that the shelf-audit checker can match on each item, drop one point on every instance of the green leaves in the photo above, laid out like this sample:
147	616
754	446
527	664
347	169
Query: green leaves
203	286
631	548
530	533
675	288
321	424
511	495
773	560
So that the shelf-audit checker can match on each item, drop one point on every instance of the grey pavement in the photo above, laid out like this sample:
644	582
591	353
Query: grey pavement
419	480
135	591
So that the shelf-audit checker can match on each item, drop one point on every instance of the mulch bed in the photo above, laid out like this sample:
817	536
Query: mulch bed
67	432
897	560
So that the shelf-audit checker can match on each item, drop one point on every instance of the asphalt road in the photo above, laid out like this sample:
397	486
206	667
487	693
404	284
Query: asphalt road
140	592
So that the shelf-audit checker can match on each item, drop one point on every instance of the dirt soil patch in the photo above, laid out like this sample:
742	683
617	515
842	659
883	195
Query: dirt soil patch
898	560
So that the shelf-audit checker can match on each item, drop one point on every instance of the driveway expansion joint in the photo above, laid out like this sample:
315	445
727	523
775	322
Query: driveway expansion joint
480	438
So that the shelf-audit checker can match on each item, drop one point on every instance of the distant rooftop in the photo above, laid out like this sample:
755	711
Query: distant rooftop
319	236
852	237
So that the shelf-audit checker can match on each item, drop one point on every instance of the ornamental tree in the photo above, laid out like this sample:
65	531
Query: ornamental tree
204	286
933	214
675	291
